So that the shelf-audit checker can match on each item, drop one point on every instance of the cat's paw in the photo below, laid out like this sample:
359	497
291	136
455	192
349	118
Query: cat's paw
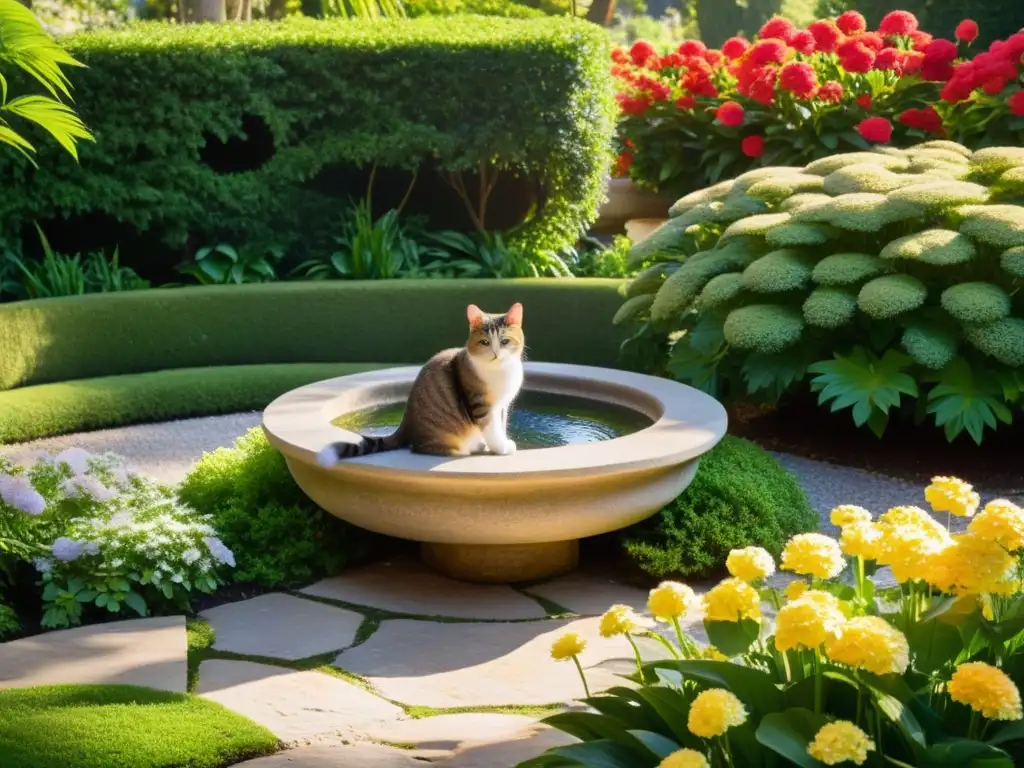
509	448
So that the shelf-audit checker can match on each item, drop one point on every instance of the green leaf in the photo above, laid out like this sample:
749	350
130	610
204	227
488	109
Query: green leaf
975	754
788	734
968	399
50	592
733	638
773	374
119	584
755	688
674	709
75	585
602	754
86	595
102	599
136	602
1010	732
655	743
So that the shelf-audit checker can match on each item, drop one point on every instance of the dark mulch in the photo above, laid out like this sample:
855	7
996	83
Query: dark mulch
907	452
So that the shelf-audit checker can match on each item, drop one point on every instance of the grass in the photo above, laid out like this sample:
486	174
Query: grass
120	726
112	401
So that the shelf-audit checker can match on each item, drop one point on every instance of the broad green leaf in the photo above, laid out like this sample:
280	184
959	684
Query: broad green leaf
755	688
773	374
655	743
974	754
136	602
603	754
968	399
788	733
1010	732
733	638
102	599
674	708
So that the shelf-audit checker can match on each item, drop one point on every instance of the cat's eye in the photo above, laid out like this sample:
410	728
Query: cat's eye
504	342
485	342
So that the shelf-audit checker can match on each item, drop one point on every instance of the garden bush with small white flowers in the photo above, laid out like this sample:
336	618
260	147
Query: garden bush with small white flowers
103	538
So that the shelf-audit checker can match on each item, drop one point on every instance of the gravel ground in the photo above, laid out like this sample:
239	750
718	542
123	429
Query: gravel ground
166	451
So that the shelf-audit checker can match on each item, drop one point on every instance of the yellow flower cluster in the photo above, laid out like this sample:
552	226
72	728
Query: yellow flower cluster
813	554
750	564
987	690
1002	522
713	654
619	620
870	643
910	543
685	758
840	742
809	621
795	589
972	565
732	600
848	514
861	539
671	600
714	712
953	495
568	645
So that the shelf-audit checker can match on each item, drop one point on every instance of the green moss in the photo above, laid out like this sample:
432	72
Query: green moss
992	162
745	181
682	288
738	206
120	726
891	295
1003	340
1012	261
707	195
704	213
949	146
789	235
670	239
999	225
200	637
830	307
803	200
1012	181
633	308
937	154
938	195
859	212
650	280
278	535
939	247
847	268
976	303
765	328
778	271
932	347
775	190
740	497
827	165
865	177
114	401
754	225
720	290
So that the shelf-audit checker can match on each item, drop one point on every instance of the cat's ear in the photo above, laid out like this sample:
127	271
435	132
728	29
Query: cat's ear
515	315
475	316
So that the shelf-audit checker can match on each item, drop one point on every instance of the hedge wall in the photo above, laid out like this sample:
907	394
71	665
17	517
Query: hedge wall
385	321
261	132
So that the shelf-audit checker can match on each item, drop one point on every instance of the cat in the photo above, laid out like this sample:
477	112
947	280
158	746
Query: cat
460	400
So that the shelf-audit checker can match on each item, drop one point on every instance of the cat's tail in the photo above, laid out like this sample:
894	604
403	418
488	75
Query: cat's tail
331	454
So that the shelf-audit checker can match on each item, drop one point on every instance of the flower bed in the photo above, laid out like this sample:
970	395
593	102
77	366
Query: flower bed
693	116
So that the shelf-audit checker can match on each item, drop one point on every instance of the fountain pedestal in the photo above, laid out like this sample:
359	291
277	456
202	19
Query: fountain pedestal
502	563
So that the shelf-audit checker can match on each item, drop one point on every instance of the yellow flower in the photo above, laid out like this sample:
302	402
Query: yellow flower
671	600
1001	521
809	621
619	620
985	689
732	600
813	554
951	494
911	543
986	607
685	758
713	654
914	517
568	645
795	590
839	742
861	540
848	514
714	712
750	564
870	643
973	565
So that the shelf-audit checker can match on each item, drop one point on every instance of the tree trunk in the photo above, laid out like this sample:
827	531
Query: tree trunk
205	10
601	12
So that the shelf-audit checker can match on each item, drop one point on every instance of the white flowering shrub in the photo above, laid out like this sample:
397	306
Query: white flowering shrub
104	538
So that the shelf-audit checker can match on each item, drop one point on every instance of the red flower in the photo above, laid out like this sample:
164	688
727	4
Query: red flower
632	106
758	84
851	23
699	84
827	35
1016	104
1015	46
889	59
803	41
864	101
994	85
831	91
957	89
714	58
912	61
926	120
934	69
876	129
730	114
686	102
753	146
670	60
692	48
622	164
777	28
641	52
898	23
855	56
620	55
872	40
798	77
920	40
966	30
735	47
766	52
940	49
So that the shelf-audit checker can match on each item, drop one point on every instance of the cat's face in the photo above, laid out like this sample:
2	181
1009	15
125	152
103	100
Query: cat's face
495	338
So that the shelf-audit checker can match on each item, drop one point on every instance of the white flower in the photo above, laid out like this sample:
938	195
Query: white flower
17	491
204	566
79	486
43	564
190	555
218	551
117	563
76	458
66	550
178	578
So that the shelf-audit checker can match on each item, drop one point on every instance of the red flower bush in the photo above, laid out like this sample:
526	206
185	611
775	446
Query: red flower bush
835	86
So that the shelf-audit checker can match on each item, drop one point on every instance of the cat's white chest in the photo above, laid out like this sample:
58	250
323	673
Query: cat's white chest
503	381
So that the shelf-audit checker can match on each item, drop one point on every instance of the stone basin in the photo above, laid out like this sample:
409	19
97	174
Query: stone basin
501	519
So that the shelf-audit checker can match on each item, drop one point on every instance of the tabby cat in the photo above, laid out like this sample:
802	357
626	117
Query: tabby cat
460	400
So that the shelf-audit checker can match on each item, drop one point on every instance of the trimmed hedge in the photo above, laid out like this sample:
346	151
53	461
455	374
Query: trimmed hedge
46	410
387	322
252	133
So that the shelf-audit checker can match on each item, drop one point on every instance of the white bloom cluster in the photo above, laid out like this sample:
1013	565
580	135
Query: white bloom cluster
17	491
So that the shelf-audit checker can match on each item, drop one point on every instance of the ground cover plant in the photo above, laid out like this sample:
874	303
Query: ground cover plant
926	675
794	95
887	282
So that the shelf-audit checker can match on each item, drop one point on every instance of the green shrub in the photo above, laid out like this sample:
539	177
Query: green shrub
898	257
256	134
740	497
506	8
279	537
